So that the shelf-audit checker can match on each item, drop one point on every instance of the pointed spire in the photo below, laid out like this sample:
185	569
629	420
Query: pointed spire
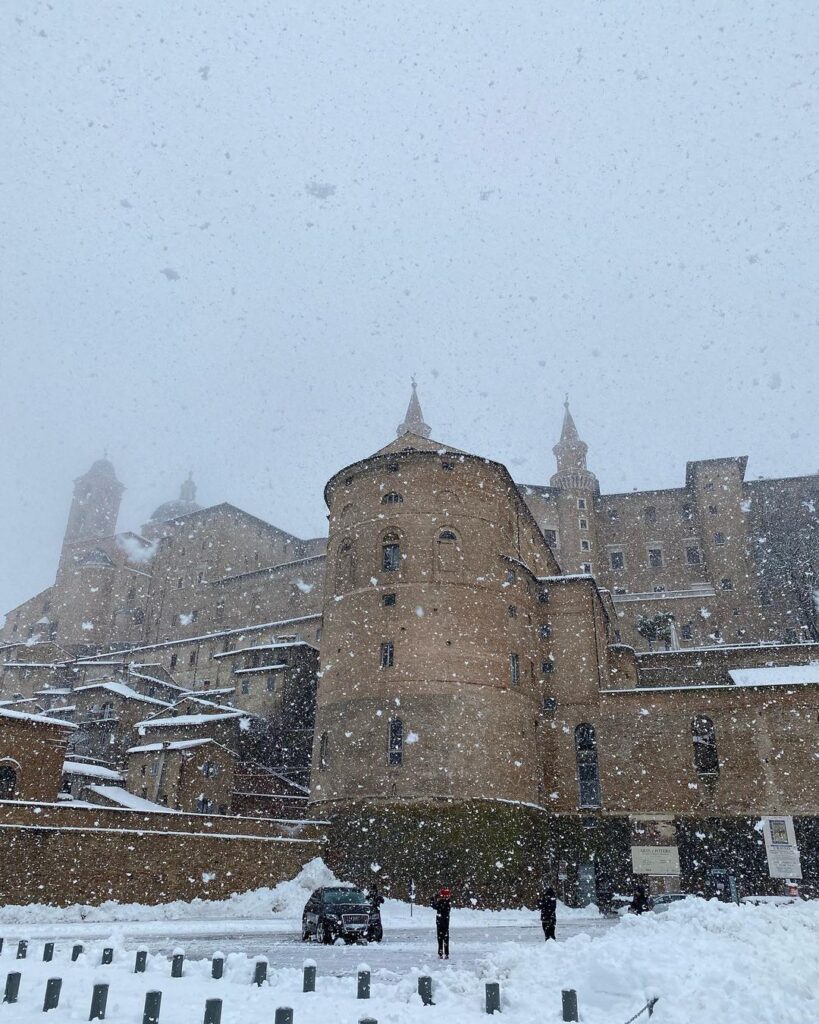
187	492
569	431
570	452
414	420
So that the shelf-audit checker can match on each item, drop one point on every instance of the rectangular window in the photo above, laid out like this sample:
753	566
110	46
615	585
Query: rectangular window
650	514
271	684
392	557
655	558
448	466
387	654
581	504
659	589
765	597
685	632
512	611
614	515
727	584
324	744
514	662
545	630
585	567
547	667
719	539
617	560
395	753
687	513
388	600
583	524
245	686
179	583
585	545
543	596
550	537
692	554
195	615
712	510
192	658
174	659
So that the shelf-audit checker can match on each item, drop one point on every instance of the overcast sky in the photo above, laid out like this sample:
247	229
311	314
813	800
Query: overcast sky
231	232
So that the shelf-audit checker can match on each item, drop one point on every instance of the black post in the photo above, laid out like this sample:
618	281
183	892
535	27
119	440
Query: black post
48	952
363	984
309	976
367	1020
141	961
150	1015
52	994
22	949
425	990
213	1010
569	1004
99	1000
1	945
260	973
176	965
284	1015
492	997
12	987
217	969
107	955
76	952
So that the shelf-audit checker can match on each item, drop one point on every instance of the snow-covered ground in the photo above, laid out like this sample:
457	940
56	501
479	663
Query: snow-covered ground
705	961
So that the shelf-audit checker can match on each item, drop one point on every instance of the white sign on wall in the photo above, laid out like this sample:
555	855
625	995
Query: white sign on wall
780	846
655	860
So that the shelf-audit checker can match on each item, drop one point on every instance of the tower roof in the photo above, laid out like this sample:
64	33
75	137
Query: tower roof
414	420
569	431
101	471
182	506
570	452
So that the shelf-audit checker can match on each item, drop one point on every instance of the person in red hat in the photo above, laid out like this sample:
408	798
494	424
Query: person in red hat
441	904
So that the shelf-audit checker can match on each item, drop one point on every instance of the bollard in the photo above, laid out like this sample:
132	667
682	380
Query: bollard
52	994
284	1015
1	946
569	1004
367	1020
22	949
260	972
150	1015
99	1000
217	967
492	997
309	976
107	955
48	952
177	963
141	961
76	952
425	990
213	1011
363	982
12	987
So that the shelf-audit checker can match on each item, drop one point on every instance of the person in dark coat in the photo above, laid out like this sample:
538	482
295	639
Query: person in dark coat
640	904
441	904
376	899
547	905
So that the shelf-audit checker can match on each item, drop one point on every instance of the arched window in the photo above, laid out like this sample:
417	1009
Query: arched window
395	750
448	551
447	535
8	782
588	774
345	567
393	498
324	744
706	758
390	553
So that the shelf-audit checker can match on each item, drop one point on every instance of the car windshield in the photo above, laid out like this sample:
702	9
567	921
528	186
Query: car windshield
344	896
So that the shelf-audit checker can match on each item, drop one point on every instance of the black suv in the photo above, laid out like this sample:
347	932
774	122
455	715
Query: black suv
336	911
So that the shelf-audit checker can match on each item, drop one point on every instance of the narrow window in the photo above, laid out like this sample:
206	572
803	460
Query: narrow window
727	584
617	560
179	583
515	669
588	774
655	558
687	512
545	630
719	539
706	759
585	545
512	611
245	687
174	659
448	466
192	658
685	632
393	498
195	615
8	782
387	654
583	524
391	554
324	744
395	753
581	504
388	600
547	666
139	616
712	510
271	684
131	597
586	567
614	515
550	536
692	554
543	596
650	514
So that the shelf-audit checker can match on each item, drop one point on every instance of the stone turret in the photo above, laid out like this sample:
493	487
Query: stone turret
414	420
94	505
570	453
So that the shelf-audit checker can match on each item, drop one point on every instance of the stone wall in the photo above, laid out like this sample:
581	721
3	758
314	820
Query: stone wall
60	855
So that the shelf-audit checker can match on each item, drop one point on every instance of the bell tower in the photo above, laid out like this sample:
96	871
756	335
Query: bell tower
577	487
94	506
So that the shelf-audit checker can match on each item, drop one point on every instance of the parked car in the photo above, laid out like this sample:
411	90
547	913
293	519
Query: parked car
664	900
340	912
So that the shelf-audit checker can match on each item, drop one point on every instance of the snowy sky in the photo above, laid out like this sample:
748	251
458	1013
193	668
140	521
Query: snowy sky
230	232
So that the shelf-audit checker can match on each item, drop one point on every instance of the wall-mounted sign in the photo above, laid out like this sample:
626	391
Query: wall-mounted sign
655	860
780	846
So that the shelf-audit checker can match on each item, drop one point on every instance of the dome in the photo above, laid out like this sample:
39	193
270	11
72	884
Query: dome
181	506
102	467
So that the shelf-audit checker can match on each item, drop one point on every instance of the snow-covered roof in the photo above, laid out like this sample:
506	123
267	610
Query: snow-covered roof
182	720
262	647
273	667
148	748
781	675
120	796
91	771
121	690
52	692
40	719
212	693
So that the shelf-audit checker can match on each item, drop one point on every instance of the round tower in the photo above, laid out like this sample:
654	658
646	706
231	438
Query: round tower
433	636
577	489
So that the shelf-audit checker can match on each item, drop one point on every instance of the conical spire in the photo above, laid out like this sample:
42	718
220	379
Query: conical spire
187	492
570	453
414	420
569	431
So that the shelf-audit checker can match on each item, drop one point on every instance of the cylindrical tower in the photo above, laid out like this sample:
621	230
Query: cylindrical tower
435	632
